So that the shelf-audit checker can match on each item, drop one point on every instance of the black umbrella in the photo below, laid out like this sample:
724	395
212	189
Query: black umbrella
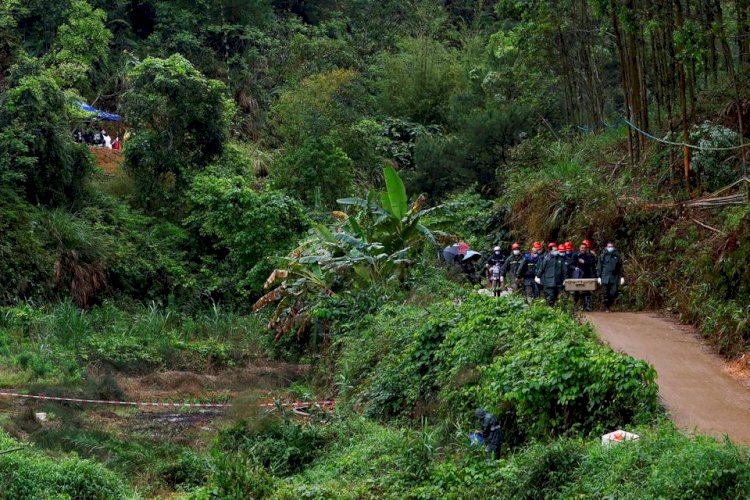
450	253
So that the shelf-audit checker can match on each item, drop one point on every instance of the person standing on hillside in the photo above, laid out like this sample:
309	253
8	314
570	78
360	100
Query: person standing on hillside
492	433
527	272
568	257
583	268
512	266
609	274
496	257
551	274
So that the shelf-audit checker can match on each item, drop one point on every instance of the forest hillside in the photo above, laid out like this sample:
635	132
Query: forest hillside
242	204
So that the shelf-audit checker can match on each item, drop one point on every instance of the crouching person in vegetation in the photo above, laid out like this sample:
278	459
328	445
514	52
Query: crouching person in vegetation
551	275
491	432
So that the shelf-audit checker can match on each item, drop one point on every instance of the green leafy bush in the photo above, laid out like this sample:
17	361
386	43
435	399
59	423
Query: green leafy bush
281	447
242	228
26	474
539	370
181	124
318	173
37	158
664	464
363	459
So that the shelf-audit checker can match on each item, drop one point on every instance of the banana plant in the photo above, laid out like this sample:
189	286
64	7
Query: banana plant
391	222
369	249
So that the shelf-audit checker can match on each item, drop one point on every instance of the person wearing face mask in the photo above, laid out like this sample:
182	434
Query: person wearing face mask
583	264
496	258
512	266
551	275
527	272
609	274
568	256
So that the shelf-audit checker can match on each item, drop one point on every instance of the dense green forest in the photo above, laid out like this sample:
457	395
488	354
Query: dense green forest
290	171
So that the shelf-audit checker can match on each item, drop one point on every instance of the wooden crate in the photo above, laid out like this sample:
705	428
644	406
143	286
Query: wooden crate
580	285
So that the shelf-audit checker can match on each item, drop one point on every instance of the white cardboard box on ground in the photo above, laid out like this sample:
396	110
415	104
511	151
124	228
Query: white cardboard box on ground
618	437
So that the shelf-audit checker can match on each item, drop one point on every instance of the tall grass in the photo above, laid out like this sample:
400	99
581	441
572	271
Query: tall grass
146	338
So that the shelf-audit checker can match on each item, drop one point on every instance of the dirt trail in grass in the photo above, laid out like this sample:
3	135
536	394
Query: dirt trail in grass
695	385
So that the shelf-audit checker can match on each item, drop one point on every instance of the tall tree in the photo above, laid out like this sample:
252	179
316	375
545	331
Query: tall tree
181	124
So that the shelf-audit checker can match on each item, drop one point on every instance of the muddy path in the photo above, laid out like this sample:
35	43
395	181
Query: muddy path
695	386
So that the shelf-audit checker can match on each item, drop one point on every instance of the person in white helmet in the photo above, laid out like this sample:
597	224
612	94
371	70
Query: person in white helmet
496	257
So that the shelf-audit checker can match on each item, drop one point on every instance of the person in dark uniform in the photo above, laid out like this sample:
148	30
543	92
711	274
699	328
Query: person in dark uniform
610	274
568	257
583	267
551	274
512	266
491	432
527	272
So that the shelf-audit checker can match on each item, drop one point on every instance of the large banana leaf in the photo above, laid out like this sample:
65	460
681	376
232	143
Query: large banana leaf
356	202
396	194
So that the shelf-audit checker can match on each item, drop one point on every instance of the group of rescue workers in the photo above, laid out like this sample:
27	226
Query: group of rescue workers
537	272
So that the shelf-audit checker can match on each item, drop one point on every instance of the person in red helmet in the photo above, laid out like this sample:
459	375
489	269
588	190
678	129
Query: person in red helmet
512	267
528	272
549	250
583	267
568	257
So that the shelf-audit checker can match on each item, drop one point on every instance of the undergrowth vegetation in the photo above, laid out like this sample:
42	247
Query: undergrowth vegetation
26	474
358	458
57	343
540	371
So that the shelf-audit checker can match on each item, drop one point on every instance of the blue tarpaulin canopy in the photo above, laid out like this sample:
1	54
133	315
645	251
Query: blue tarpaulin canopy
100	115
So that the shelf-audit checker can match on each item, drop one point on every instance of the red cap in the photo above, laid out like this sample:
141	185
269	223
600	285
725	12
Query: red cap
550	245
569	245
536	245
587	243
515	246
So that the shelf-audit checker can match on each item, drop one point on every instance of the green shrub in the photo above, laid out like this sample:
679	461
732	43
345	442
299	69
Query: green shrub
189	470
235	476
664	464
26	474
281	447
537	368
37	158
318	173
181	125
26	269
240	229
560	378
365	461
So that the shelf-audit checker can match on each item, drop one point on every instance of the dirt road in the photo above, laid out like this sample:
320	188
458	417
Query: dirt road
694	384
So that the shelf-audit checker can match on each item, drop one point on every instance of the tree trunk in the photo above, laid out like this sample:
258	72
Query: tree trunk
623	74
743	31
683	102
